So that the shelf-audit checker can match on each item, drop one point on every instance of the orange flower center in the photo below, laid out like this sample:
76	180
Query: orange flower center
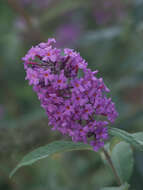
46	74
48	54
59	81
78	98
68	107
34	76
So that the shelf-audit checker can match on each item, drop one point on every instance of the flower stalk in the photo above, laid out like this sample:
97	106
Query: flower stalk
109	160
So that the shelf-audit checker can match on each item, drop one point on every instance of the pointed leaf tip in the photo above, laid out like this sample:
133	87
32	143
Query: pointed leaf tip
48	150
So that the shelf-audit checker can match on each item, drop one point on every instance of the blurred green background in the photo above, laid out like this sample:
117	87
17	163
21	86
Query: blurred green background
109	35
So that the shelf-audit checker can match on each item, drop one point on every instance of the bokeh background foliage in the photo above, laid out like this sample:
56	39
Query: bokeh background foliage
109	35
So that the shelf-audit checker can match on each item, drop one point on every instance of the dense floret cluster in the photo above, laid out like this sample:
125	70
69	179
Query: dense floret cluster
71	94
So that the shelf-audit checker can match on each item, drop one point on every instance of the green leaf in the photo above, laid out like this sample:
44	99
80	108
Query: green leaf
138	136
48	150
122	187
122	158
113	142
134	139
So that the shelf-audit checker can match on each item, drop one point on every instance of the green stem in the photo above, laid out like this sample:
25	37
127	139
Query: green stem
108	158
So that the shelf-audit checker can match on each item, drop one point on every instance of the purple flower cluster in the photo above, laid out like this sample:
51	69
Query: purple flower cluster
71	94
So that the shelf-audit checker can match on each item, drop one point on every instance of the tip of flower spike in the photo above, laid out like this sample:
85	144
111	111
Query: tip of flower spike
50	41
95	72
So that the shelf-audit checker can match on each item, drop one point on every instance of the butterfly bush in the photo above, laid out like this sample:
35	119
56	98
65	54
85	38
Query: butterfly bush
73	97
